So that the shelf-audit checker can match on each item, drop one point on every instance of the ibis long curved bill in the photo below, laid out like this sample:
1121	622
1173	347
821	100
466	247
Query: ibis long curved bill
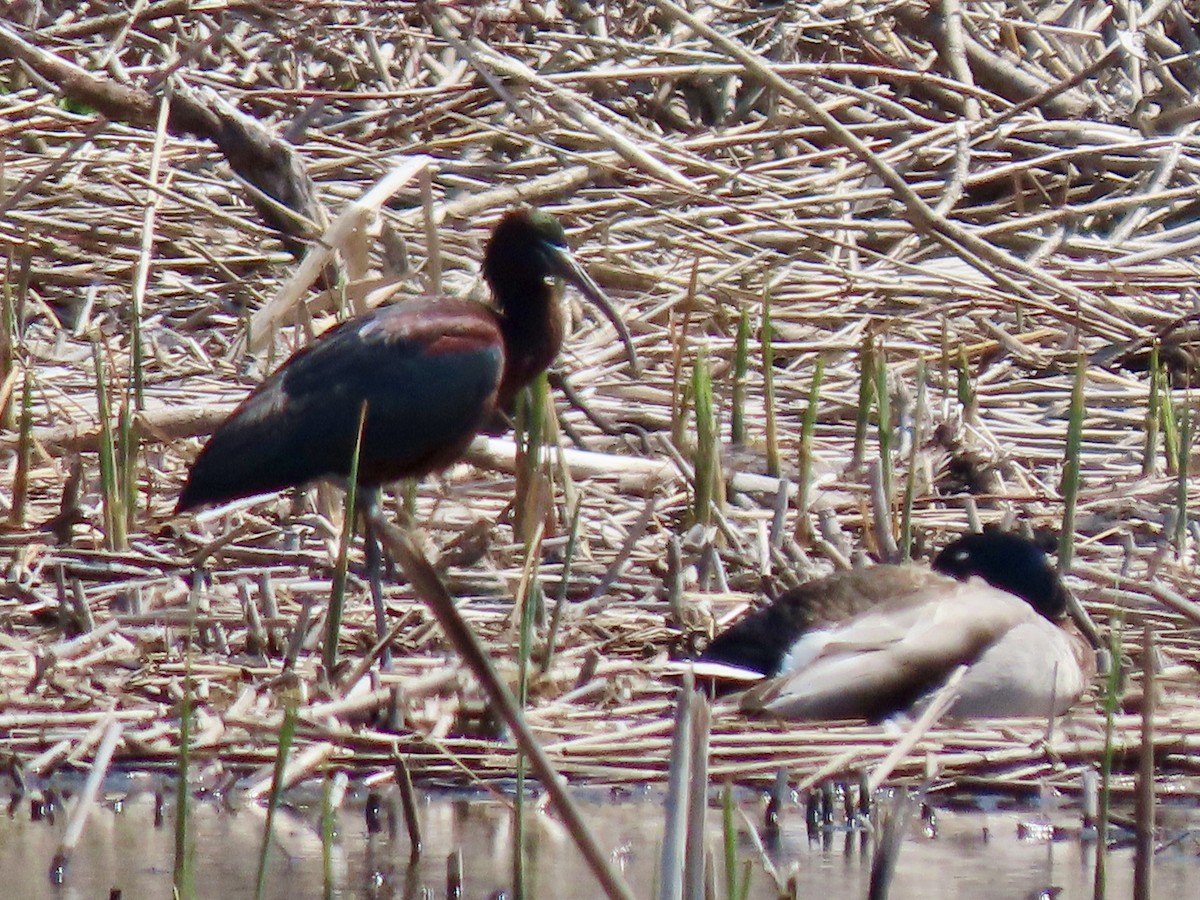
569	269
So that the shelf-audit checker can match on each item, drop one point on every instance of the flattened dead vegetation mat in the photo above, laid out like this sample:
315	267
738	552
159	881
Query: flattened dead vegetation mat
975	206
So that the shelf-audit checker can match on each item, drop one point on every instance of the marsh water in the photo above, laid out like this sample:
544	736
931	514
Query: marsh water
986	849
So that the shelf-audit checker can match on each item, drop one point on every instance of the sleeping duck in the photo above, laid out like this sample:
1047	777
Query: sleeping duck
872	642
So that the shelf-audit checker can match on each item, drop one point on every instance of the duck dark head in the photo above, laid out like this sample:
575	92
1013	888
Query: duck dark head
526	249
1010	563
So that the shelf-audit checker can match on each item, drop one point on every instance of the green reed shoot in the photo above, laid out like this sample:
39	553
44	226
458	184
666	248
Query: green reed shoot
1150	448
1181	480
8	340
15	296
530	596
966	390
707	458
679	342
1169	426
535	412
246	321
182	875
866	390
1071	462
1109	701
767	337
807	429
678	391
128	442
558	469
287	731
137	361
534	409
1145	801
741	365
20	490
735	888
529	603
520	870
337	592
883	403
111	493
679	763
910	486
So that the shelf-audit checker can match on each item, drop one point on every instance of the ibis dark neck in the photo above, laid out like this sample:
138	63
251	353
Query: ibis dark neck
531	322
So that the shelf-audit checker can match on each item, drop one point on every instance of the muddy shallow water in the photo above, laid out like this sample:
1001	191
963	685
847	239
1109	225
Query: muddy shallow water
1001	853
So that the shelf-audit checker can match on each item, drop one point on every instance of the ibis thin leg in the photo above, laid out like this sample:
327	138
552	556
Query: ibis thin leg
375	574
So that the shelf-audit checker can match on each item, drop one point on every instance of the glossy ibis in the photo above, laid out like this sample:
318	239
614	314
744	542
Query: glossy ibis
431	373
871	642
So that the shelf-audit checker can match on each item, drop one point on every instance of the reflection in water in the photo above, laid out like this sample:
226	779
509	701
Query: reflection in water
998	853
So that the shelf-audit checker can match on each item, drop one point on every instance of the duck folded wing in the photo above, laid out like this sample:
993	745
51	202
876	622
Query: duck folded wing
761	643
1035	669
884	659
